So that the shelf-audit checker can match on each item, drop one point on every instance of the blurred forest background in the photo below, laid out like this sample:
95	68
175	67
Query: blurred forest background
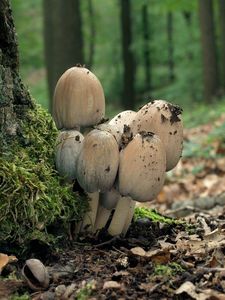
140	50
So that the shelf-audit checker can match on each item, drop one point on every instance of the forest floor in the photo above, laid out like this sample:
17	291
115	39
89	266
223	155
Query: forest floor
181	258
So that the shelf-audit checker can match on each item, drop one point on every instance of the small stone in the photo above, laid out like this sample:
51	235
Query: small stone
111	285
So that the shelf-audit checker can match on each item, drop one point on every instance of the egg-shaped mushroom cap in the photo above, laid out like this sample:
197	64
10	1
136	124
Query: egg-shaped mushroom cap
163	119
142	167
123	118
111	129
78	99
68	145
98	161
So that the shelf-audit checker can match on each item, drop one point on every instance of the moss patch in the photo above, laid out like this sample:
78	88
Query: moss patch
31	194
142	212
168	270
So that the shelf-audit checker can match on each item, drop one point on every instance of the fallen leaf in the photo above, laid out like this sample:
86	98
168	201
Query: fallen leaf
138	251
5	260
111	285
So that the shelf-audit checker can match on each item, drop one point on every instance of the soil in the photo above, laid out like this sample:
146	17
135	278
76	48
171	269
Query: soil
154	261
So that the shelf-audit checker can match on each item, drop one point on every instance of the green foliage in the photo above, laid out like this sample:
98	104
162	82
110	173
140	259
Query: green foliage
32	196
168	270
17	297
142	212
85	292
187	87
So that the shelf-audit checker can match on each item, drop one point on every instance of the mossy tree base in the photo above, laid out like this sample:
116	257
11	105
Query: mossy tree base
31	194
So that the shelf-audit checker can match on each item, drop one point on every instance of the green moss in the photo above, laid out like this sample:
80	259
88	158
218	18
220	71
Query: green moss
142	212
31	194
168	270
17	297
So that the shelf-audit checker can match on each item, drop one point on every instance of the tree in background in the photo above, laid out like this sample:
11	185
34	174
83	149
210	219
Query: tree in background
14	98
146	50
222	39
170	46
128	96
91	14
210	70
63	38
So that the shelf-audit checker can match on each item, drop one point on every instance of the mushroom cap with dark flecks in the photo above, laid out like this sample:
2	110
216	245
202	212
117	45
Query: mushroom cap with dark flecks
164	119
98	161
142	167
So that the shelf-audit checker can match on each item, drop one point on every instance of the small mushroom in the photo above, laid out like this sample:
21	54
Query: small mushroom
78	99
68	146
142	167
107	202
98	161
163	119
35	274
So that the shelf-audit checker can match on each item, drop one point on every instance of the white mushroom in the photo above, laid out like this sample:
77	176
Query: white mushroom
68	146
98	161
124	118
142	167
78	99
163	119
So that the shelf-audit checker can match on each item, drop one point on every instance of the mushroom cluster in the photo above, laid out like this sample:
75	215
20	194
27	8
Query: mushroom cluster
116	163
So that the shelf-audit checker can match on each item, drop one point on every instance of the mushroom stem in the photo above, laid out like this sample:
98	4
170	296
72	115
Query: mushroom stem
120	215
102	217
129	217
90	216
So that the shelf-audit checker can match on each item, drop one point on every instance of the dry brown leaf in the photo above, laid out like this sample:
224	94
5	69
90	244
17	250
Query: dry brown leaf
188	288
138	251
111	285
5	260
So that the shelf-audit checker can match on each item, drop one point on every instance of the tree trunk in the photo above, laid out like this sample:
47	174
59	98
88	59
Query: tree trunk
209	49
128	96
146	37
63	38
92	34
222	39
14	98
170	46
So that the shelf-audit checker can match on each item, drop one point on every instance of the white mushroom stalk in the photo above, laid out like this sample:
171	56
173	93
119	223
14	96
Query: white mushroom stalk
107	202
88	222
120	216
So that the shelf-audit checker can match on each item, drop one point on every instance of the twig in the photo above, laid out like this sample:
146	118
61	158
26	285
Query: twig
115	238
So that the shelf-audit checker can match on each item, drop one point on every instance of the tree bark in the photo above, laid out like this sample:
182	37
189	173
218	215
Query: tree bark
222	39
210	70
146	54
128	95
170	46
14	97
63	38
